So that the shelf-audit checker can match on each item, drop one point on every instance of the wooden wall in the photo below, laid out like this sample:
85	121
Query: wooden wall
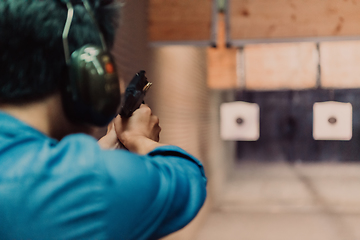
221	61
340	64
281	66
263	19
189	20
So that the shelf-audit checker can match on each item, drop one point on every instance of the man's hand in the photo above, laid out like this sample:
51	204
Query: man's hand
141	123
110	140
139	133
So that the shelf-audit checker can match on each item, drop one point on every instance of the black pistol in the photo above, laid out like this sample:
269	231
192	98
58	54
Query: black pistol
134	94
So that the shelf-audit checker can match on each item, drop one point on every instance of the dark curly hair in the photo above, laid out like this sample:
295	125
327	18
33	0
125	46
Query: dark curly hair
32	62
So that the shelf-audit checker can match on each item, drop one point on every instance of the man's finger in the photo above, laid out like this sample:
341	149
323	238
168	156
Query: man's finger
118	124
143	105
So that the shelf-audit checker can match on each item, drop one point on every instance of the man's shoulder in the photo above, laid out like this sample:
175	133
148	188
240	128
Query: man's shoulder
32	156
78	144
78	150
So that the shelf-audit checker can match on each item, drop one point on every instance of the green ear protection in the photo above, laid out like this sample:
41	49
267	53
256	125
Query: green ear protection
92	93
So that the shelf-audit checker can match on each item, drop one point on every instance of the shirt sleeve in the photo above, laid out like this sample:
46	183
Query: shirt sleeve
154	195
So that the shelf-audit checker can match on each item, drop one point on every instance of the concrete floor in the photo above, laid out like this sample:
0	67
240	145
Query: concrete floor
288	202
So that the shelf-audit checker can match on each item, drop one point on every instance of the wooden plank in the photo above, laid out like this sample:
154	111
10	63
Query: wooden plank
280	66
180	20
340	63
264	19
221	61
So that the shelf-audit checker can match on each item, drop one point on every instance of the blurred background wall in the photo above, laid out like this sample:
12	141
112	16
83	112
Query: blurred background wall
131	43
181	100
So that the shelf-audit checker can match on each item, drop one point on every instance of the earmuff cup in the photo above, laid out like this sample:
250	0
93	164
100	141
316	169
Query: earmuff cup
92	93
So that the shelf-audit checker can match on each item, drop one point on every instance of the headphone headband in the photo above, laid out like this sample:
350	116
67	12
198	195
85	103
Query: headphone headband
92	15
68	22
65	34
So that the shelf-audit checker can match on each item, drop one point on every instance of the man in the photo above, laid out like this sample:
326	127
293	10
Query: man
57	182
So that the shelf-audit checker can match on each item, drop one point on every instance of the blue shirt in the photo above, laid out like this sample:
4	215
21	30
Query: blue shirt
72	189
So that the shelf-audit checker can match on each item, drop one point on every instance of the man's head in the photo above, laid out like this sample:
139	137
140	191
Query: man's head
32	61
